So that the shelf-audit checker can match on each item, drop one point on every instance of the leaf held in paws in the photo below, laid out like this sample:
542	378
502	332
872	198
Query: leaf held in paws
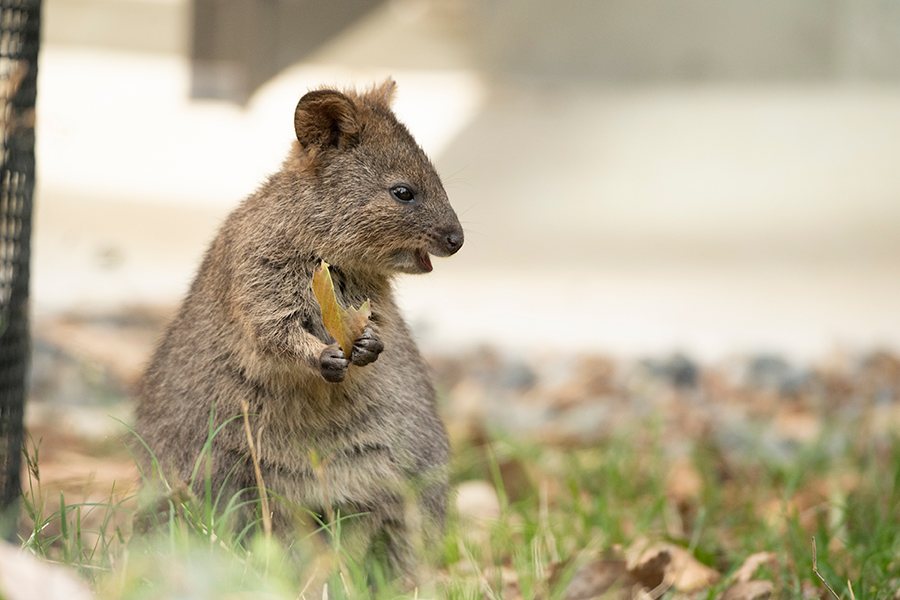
344	324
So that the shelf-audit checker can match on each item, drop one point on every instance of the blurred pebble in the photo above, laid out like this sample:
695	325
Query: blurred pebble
677	370
772	372
518	376
477	500
682	371
25	577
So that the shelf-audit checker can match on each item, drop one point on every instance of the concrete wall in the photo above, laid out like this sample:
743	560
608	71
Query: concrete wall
637	41
132	25
237	45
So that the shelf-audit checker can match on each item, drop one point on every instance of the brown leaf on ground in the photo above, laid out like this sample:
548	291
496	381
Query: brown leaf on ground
607	578
652	572
684	482
749	590
593	377
684	485
517	481
684	572
754	561
611	577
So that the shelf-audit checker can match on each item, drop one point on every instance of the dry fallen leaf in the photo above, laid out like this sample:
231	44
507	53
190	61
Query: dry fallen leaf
344	324
685	572
652	572
753	562
602	578
684	482
749	590
612	578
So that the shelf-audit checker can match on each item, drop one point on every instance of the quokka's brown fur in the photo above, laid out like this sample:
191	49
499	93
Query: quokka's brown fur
358	192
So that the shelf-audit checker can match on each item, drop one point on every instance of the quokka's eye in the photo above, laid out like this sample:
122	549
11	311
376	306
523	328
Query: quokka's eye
402	193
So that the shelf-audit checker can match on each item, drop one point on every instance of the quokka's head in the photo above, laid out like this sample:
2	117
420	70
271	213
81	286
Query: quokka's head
379	204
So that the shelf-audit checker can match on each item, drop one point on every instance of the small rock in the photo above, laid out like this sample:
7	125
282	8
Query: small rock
682	371
25	577
476	500
678	370
581	424
517	376
772	372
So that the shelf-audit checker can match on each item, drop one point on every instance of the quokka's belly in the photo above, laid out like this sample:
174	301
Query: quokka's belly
360	473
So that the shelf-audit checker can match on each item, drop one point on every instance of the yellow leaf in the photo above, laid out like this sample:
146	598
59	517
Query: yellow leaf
344	324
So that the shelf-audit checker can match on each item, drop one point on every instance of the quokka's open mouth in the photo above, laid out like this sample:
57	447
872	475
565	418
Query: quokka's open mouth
423	260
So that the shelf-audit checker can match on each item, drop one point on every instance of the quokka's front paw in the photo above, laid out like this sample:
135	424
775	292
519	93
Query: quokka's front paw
366	348
332	364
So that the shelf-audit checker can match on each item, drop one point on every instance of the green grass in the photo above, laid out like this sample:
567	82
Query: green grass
560	506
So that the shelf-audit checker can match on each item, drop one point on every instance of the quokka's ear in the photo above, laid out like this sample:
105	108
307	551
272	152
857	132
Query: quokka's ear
326	119
384	91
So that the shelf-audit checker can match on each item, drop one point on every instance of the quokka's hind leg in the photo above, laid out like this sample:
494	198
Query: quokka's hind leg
379	533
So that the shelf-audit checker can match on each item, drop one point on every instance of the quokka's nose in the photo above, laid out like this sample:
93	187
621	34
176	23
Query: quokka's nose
453	241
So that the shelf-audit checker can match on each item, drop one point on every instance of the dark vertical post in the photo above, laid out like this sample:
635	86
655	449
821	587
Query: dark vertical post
19	41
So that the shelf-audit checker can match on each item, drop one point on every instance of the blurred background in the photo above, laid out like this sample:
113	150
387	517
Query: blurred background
635	178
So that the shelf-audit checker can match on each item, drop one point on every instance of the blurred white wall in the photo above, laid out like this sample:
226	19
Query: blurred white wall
646	41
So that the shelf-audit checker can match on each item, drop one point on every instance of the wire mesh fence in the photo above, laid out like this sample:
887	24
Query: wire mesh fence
19	41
